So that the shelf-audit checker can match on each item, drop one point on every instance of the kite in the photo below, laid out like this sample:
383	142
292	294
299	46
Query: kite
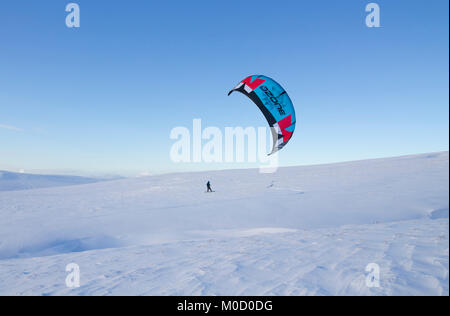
274	103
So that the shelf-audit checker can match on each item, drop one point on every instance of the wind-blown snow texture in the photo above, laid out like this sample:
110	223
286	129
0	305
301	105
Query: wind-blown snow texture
301	231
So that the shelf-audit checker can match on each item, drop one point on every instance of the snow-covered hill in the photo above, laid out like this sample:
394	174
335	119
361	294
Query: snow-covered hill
302	230
12	181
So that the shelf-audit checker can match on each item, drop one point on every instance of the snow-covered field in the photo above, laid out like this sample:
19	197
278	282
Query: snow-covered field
301	231
13	181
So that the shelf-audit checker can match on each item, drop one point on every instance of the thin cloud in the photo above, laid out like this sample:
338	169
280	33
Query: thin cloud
11	128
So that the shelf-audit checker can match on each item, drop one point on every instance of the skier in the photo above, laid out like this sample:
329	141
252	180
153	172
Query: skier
208	187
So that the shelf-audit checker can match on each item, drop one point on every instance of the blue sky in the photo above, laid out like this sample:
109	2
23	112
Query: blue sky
103	98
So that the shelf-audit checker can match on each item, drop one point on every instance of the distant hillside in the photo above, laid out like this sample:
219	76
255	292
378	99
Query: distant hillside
12	181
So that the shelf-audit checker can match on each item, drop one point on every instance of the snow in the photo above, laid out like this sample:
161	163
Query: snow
308	230
12	181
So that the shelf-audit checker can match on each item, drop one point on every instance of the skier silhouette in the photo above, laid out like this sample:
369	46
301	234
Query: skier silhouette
208	187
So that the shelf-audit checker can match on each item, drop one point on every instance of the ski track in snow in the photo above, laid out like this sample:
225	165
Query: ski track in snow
301	231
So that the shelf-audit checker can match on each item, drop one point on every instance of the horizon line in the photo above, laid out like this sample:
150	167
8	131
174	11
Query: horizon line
118	175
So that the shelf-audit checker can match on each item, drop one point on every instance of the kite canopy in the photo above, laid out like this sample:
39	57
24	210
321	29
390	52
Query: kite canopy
274	103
